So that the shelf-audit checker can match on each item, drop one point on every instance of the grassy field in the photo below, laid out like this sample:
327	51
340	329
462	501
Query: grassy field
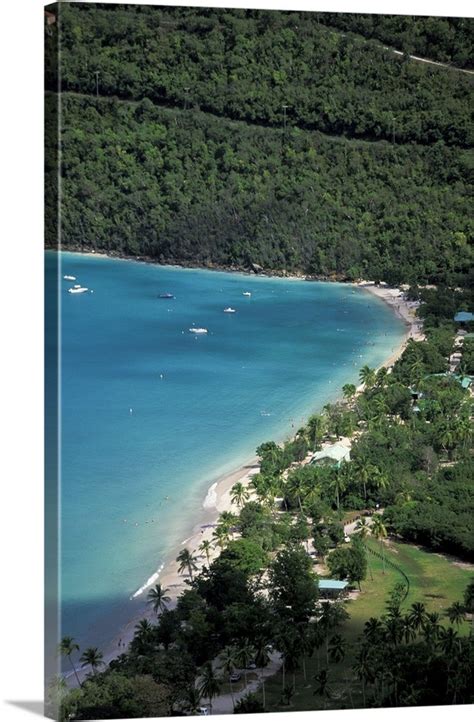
434	580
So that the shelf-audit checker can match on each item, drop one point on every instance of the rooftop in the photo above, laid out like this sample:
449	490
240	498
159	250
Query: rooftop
336	453
332	584
464	316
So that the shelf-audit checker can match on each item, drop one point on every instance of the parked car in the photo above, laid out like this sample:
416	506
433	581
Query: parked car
251	665
203	711
235	676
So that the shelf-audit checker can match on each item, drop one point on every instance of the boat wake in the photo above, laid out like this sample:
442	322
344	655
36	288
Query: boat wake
154	578
211	498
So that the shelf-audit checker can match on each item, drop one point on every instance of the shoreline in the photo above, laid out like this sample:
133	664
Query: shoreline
218	498
205	521
255	271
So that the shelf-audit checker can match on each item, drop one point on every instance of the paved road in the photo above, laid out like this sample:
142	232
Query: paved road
430	62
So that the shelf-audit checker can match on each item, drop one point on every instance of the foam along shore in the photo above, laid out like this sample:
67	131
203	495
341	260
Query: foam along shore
217	500
218	497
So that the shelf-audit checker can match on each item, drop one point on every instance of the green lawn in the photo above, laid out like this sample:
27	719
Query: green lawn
434	580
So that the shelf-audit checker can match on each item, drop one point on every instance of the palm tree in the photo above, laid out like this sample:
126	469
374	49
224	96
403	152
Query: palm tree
364	669
287	694
338	484
379	480
349	391
92	657
363	527
221	536
262	658
322	685
143	628
318	637
227	520
229	660
463	431
327	621
186	562
468	600
244	655
409	631
417	615
142	637
431	629
373	630
296	486
367	376
364	470
158	598
239	494
456	613
394	629
315	430
206	547
379	531
67	647
381	377
306	645
210	684
192	700
448	639
447	436
263	486
337	648
416	370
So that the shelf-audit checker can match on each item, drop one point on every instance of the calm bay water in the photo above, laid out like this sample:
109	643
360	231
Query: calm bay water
152	415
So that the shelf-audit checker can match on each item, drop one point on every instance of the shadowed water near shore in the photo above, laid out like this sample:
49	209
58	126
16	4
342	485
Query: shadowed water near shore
152	414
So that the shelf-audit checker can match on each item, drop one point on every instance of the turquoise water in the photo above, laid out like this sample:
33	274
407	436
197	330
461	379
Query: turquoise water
151	415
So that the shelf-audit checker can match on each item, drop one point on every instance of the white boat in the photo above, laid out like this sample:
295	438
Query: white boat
69	278
246	293
229	310
77	289
198	330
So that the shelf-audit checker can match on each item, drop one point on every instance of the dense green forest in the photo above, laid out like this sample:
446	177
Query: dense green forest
246	65
189	187
445	40
187	154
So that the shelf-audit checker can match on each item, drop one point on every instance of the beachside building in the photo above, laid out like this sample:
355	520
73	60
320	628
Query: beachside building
332	455
332	588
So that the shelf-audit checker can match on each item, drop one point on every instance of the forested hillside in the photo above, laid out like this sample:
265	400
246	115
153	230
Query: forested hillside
445	40
246	65
188	155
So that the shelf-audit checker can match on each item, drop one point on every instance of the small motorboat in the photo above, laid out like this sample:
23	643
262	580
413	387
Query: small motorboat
77	289
166	295
69	278
229	310
198	330
246	293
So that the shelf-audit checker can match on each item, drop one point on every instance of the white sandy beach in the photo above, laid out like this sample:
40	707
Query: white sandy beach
405	310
